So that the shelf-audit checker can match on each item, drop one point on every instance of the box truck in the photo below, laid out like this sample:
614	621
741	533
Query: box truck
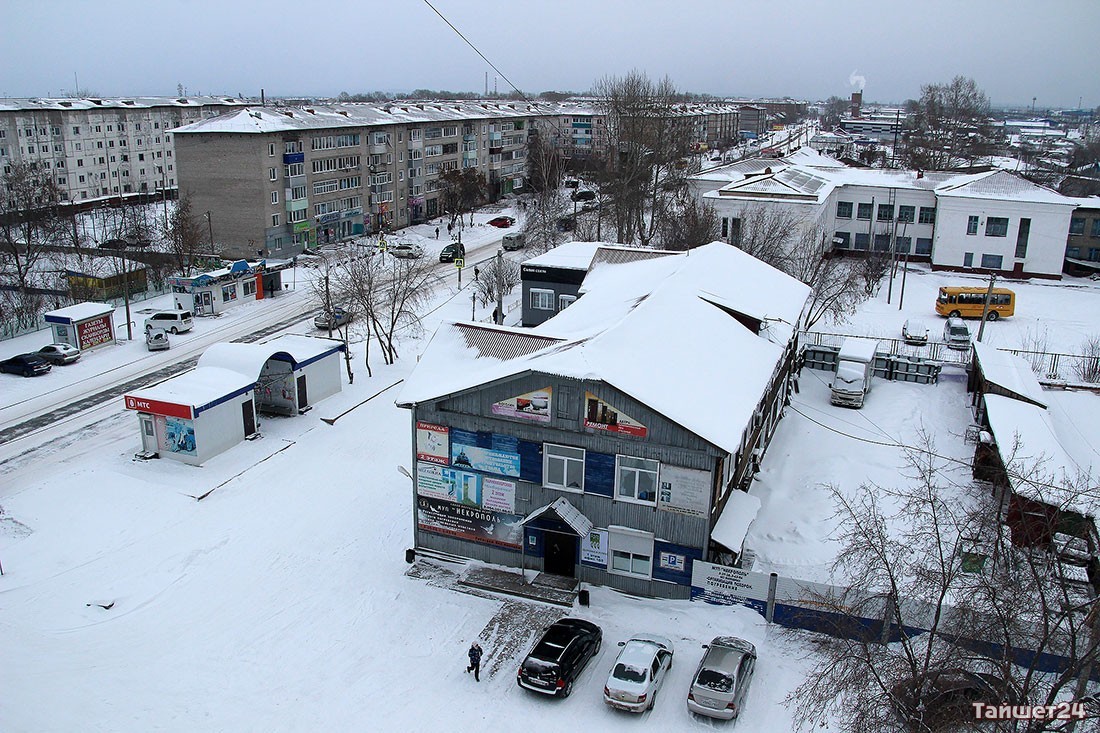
855	366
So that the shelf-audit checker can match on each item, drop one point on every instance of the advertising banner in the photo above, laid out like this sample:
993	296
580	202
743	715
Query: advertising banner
179	436
431	443
94	332
469	523
725	585
157	407
602	416
448	484
594	548
684	491
502	458
529	406
498	495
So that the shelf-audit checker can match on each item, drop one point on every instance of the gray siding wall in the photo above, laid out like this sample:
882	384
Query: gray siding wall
532	316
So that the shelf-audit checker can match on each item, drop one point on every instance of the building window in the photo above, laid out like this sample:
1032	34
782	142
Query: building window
542	300
927	215
249	287
273	174
968	259
229	293
906	213
1095	228
971	226
274	220
902	245
636	479
564	301
842	240
882	242
631	552
843	209
865	211
992	262
863	240
996	226
885	212
563	467
1021	238
271	148
1077	225
274	197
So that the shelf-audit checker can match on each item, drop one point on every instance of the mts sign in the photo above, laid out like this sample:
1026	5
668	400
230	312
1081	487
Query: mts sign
157	407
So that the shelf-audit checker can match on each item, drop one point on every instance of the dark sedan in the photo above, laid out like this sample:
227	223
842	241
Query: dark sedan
29	365
557	659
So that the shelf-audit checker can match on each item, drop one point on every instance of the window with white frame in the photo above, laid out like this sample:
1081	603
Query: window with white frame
563	467
564	301
274	197
274	220
636	479
272	174
542	300
631	551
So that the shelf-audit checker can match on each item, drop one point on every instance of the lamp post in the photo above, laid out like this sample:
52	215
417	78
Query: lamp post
210	227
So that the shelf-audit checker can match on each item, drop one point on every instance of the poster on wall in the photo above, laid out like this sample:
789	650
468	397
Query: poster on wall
498	495
179	436
448	484
469	523
529	406
594	548
431	443
90	334
602	416
502	458
684	491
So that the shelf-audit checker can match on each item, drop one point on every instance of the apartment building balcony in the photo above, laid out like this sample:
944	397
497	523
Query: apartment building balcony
296	205
378	148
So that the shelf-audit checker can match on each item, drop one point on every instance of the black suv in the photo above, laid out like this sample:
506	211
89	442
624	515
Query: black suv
559	656
451	252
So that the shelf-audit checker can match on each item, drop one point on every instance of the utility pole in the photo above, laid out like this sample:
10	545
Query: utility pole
500	287
985	309
473	296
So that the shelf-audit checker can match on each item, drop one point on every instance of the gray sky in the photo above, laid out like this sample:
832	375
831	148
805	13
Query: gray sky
811	49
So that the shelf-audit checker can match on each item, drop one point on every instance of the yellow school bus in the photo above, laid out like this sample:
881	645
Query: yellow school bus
969	302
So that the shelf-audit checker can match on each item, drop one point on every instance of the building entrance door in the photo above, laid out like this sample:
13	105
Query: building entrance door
560	554
248	413
303	400
148	434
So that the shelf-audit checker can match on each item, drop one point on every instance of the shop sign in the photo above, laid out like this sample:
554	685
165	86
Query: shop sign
602	416
529	406
722	584
594	548
156	407
94	332
684	491
431	443
326	218
502	458
469	523
350	213
301	226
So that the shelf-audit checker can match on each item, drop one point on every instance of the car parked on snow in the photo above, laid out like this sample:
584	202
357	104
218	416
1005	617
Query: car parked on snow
914	332
172	321
944	698
502	222
336	319
557	658
59	354
639	671
722	680
955	334
406	251
583	195
452	252
156	339
29	365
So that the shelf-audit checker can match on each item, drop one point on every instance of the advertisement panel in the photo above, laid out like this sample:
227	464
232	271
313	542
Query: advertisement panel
179	436
431	443
498	495
469	523
157	407
502	458
94	332
448	484
529	406
728	586
594	548
602	416
684	491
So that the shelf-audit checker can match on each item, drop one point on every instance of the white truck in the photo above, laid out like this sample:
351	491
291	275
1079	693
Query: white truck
855	367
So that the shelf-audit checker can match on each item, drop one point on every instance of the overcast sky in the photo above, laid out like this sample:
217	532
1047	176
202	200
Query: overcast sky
809	49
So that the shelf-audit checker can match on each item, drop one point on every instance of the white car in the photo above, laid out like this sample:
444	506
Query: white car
59	353
407	251
639	672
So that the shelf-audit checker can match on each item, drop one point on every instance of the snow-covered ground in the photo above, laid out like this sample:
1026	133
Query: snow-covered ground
280	602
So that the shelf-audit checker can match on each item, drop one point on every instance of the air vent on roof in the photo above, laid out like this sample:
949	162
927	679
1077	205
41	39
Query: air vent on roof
128	101
66	104
343	112
182	100
257	115
420	106
312	112
97	101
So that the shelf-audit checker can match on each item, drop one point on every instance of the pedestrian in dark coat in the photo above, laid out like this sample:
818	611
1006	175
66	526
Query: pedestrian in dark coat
437	232
475	661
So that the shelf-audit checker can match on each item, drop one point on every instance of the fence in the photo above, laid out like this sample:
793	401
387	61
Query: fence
895	367
10	328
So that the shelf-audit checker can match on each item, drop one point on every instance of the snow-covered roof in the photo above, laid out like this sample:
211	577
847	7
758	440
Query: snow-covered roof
78	312
1009	372
1039	466
56	103
197	388
571	256
634	328
249	359
1003	185
568	513
740	511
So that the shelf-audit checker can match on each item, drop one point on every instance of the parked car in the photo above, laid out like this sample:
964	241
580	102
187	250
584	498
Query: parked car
583	195
406	251
955	334
559	656
571	183
452	252
173	321
638	674
29	365
337	319
722	680
156	339
566	224
513	241
943	698
914	332
502	222
58	354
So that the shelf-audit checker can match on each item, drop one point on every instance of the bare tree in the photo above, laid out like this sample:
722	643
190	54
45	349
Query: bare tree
30	221
767	233
548	207
462	190
691	225
949	126
834	281
184	236
832	112
923	555
495	280
402	291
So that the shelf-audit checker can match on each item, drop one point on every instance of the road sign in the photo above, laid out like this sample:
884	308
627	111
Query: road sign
460	263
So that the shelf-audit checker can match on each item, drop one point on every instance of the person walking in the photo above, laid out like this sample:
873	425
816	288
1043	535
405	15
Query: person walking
437	232
475	661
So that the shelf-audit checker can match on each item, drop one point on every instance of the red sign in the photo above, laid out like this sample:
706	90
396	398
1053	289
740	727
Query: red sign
90	334
157	407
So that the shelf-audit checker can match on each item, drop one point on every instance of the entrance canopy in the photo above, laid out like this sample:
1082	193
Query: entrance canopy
567	513
730	529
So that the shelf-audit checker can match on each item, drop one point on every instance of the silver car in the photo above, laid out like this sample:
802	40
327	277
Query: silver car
722	681
638	674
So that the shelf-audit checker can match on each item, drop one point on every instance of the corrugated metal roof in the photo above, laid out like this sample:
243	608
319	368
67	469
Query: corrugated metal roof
501	343
619	255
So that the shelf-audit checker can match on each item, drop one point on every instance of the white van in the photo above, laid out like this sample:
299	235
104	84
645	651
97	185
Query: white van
172	321
955	334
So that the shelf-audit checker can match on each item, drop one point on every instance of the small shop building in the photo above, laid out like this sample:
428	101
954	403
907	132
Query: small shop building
550	281
211	293
84	325
583	448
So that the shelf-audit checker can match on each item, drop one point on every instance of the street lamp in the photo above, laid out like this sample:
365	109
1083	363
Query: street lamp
210	225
